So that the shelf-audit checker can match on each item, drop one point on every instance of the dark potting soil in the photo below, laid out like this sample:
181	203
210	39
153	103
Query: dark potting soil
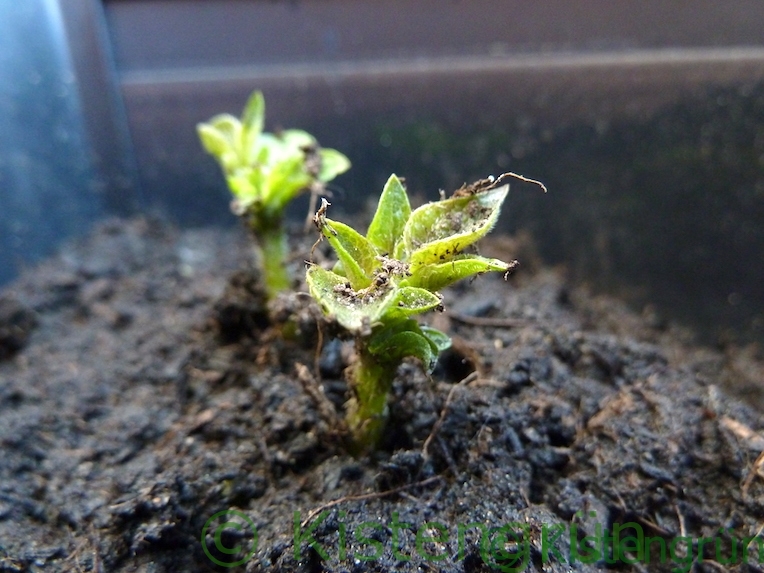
144	403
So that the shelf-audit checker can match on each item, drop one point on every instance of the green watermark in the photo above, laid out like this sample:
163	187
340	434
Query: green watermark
229	539
237	526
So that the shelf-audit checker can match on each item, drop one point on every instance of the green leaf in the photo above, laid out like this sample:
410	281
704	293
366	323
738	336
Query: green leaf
294	140
327	288
253	121
354	310
277	150
438	231
220	137
385	330
357	255
283	182
440	340
333	163
253	116
228	125
406	344
408	301
213	140
390	219
337	268
438	276
245	184
262	157
395	347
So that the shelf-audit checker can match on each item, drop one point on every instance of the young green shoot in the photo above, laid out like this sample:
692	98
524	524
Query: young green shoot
381	280
265	172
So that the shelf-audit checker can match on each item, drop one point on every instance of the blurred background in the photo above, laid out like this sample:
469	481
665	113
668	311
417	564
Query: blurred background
644	119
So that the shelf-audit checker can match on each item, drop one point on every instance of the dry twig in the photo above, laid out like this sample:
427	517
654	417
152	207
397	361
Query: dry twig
367	496
469	378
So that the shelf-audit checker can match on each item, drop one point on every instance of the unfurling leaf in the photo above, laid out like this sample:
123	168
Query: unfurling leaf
439	276
357	255
253	121
440	341
390	218
245	185
283	183
355	310
214	141
438	231
253	116
335	297
220	138
403	344
411	300
333	163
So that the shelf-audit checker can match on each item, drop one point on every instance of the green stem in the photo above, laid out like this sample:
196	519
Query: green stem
273	256
370	381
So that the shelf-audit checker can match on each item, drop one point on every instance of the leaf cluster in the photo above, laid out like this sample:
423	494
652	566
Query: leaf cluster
395	271
265	171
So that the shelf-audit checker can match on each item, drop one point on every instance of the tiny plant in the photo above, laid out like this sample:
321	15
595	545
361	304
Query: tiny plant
395	272
265	172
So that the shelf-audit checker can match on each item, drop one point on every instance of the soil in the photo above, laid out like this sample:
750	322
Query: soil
142	393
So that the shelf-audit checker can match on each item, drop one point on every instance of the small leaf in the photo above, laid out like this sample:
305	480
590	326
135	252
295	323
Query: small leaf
262	157
228	125
400	345
333	163
219	138
245	185
285	180
408	301
435	277
437	231
337	268
327	288
440	340
385	330
296	139
354	310
213	140
392	213
357	255
277	149
253	116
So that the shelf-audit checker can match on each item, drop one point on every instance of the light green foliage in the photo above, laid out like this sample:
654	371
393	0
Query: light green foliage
393	273
265	172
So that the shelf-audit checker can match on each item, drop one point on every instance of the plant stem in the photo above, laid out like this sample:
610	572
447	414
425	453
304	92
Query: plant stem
273	255
370	381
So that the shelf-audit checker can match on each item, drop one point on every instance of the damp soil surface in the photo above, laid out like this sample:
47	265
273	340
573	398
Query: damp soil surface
150	420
